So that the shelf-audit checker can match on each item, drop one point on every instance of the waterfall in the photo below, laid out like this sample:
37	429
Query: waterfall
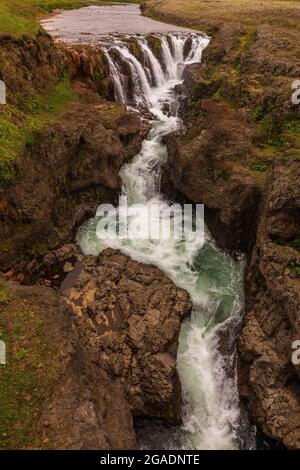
156	68
119	84
141	85
212	418
178	47
165	66
169	62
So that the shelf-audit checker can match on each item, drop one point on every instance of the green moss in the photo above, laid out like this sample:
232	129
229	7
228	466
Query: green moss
296	242
20	128
291	134
20	354
246	40
218	96
259	113
135	49
296	267
273	135
4	297
236	68
156	44
33	365
261	167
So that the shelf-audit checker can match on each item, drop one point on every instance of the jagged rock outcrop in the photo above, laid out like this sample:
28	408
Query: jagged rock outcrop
73	167
36	63
110	340
129	318
239	156
209	164
29	64
269	381
63	400
89	64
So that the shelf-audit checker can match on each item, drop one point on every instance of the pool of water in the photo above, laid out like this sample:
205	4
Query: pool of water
90	24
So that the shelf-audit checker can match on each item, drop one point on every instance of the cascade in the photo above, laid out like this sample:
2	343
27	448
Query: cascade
212	415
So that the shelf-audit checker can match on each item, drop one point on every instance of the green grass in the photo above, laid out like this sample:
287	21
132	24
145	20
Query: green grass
261	167
19	17
32	367
18	128
4	297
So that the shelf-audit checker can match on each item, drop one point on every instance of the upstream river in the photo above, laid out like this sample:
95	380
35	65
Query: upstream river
206	362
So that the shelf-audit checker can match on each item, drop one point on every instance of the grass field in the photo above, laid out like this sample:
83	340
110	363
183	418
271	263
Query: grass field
207	14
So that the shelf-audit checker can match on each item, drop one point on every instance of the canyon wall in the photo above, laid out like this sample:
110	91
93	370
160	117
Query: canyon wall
239	154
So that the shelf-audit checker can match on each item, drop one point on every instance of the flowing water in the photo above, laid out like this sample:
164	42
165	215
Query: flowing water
206	356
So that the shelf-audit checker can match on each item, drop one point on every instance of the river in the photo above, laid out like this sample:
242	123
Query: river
206	362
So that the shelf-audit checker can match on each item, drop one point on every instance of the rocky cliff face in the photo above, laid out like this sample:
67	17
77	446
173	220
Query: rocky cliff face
73	167
239	156
129	316
116	323
114	327
269	381
209	164
71	159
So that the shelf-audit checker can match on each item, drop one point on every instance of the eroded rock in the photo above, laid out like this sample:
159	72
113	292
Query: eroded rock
71	170
269	381
129	316
110	339
209	164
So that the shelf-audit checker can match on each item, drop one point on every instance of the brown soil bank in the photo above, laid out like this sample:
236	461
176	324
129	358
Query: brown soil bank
239	154
84	361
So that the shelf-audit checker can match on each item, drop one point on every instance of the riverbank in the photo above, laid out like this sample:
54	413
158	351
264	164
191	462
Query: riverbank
74	150
240	156
207	15
33	102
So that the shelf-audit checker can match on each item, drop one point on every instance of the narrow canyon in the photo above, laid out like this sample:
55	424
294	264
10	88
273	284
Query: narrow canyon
139	343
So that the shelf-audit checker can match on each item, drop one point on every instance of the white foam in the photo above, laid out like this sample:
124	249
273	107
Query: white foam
213	279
